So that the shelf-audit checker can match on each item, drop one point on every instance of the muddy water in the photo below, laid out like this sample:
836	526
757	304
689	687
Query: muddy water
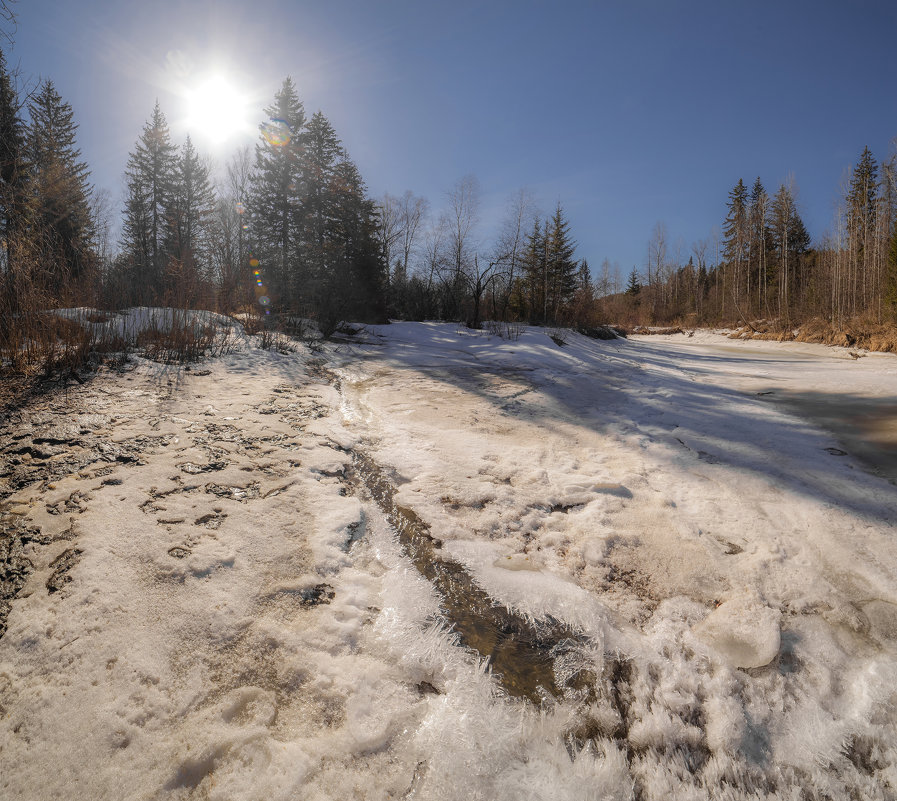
522	654
865	427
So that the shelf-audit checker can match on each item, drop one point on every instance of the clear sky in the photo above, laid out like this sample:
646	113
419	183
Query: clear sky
628	113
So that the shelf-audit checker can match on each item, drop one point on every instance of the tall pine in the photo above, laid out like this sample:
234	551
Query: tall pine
861	210
278	187
13	172
59	182
189	219
562	267
150	179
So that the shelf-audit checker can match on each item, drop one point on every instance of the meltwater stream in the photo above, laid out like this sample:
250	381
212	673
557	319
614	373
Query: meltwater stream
526	657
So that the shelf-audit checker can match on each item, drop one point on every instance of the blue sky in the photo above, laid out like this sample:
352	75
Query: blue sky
628	113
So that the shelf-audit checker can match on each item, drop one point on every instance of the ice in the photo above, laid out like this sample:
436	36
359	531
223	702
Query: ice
744	631
242	622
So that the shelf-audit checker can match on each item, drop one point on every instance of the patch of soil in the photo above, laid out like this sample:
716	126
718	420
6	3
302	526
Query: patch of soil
62	565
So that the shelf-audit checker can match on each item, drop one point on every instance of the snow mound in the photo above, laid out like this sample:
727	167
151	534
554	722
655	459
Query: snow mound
744	631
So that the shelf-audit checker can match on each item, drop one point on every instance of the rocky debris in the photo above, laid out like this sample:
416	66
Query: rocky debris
317	595
62	565
193	469
212	520
15	567
248	493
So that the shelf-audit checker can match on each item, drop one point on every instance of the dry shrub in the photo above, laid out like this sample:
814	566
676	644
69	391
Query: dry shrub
856	333
185	340
506	330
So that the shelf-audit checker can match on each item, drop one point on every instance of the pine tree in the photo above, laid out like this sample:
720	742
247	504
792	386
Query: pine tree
634	286
584	296
735	233
861	210
150	178
59	181
758	243
356	271
535	266
890	281
323	192
790	241
188	221
278	186
562	267
13	171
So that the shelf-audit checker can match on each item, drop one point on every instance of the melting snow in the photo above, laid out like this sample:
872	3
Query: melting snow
229	620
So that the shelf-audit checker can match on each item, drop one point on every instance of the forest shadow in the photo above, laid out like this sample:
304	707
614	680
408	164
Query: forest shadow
622	386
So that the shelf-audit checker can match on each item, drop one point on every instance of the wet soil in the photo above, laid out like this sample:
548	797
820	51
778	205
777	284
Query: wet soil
521	653
866	427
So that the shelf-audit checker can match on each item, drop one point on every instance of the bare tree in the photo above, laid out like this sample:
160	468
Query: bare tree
389	231
657	259
460	220
511	244
101	215
8	20
477	277
231	250
413	210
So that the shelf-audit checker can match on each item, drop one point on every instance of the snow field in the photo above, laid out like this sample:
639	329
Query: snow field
707	538
239	624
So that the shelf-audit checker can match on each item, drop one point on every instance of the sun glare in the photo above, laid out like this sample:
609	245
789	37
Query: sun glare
217	110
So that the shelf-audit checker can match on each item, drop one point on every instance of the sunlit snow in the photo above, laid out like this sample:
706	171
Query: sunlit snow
243	623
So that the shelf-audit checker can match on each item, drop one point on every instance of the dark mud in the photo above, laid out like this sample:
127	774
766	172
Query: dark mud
522	653
866	427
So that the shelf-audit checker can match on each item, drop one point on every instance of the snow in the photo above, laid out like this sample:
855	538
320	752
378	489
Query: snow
241	624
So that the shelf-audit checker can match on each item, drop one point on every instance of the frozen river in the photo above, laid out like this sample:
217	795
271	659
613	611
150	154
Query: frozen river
299	574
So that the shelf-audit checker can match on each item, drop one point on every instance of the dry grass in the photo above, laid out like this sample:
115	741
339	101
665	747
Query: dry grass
41	344
858	333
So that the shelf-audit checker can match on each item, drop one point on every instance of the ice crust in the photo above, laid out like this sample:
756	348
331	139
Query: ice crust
732	581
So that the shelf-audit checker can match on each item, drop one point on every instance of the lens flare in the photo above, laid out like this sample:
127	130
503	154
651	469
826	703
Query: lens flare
240	208
253	262
276	132
265	300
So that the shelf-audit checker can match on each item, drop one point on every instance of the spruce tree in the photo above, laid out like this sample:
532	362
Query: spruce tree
60	187
535	267
562	267
322	194
150	178
861	211
356	254
735	236
758	243
188	222
278	186
13	171
890	287
790	241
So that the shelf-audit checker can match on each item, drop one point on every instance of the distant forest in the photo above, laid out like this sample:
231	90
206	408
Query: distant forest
287	229
765	268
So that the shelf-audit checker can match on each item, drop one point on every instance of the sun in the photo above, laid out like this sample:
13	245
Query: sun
217	109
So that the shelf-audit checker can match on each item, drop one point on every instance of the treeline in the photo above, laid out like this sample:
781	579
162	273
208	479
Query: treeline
291	230
766	268
442	269
286	228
